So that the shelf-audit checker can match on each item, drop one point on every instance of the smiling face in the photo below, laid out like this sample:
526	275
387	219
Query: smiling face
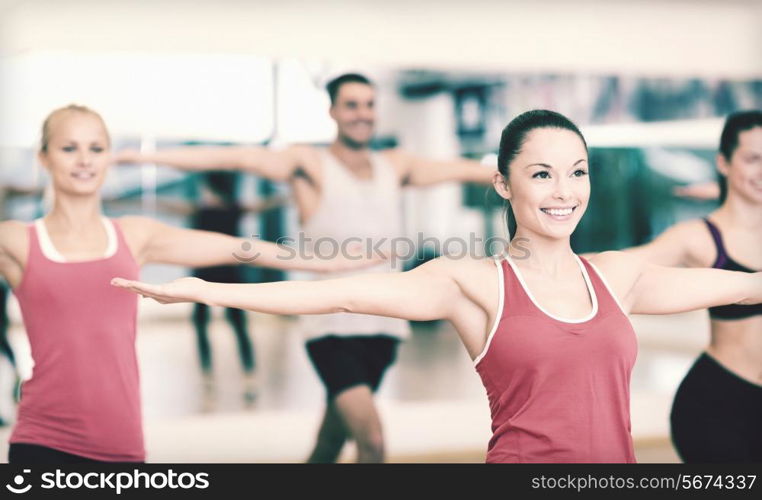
548	184
744	170
76	152
354	113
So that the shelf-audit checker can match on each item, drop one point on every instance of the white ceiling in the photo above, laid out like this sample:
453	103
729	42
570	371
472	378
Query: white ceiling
647	38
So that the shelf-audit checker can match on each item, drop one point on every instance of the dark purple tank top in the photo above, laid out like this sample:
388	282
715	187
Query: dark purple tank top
724	261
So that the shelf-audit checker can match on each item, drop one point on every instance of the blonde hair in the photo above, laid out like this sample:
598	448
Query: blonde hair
55	114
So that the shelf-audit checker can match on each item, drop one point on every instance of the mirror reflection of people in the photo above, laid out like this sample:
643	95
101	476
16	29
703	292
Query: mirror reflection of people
220	211
6	352
343	192
699	191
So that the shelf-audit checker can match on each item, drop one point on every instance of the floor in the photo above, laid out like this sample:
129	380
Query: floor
432	402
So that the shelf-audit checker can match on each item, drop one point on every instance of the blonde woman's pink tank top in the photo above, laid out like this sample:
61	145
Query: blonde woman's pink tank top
83	396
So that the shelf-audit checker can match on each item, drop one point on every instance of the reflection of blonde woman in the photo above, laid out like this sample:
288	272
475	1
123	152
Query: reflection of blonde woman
82	402
549	334
717	413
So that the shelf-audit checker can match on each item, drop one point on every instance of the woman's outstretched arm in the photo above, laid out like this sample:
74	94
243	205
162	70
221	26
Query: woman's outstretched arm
645	288
666	290
273	165
427	292
156	242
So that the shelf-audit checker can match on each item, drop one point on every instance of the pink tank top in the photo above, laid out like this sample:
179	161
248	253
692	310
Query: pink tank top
559	390
83	397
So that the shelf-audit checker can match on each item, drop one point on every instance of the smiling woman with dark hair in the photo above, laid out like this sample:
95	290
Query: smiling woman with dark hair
549	334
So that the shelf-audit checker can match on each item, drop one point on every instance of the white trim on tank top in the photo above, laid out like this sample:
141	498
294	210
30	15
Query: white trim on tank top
500	304
50	251
588	283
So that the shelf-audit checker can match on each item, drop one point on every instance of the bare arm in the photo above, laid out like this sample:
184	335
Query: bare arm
14	243
12	191
274	165
425	293
172	206
185	208
666	290
645	288
424	172
268	203
699	191
686	244
165	244
670	248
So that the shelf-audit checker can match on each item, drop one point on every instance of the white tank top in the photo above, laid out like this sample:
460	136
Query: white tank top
369	209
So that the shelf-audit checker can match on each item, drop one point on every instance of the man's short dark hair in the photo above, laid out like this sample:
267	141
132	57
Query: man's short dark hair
334	85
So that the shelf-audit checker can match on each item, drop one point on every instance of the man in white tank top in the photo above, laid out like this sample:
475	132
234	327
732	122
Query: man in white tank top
344	191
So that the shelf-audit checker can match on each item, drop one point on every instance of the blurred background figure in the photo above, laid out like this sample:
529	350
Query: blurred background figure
7	363
343	192
219	210
215	206
718	407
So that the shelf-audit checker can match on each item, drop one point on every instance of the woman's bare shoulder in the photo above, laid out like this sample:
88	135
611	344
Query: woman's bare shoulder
618	267
464	265
13	233
14	246
468	272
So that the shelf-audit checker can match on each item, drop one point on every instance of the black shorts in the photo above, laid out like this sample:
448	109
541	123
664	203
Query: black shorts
717	416
343	362
219	274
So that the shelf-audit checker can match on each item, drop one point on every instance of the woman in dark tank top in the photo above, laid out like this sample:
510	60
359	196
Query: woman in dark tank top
717	409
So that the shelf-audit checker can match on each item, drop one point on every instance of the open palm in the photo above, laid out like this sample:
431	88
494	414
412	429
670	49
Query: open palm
180	290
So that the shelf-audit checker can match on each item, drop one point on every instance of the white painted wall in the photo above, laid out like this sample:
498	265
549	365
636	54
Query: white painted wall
643	37
201	69
427	127
199	96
